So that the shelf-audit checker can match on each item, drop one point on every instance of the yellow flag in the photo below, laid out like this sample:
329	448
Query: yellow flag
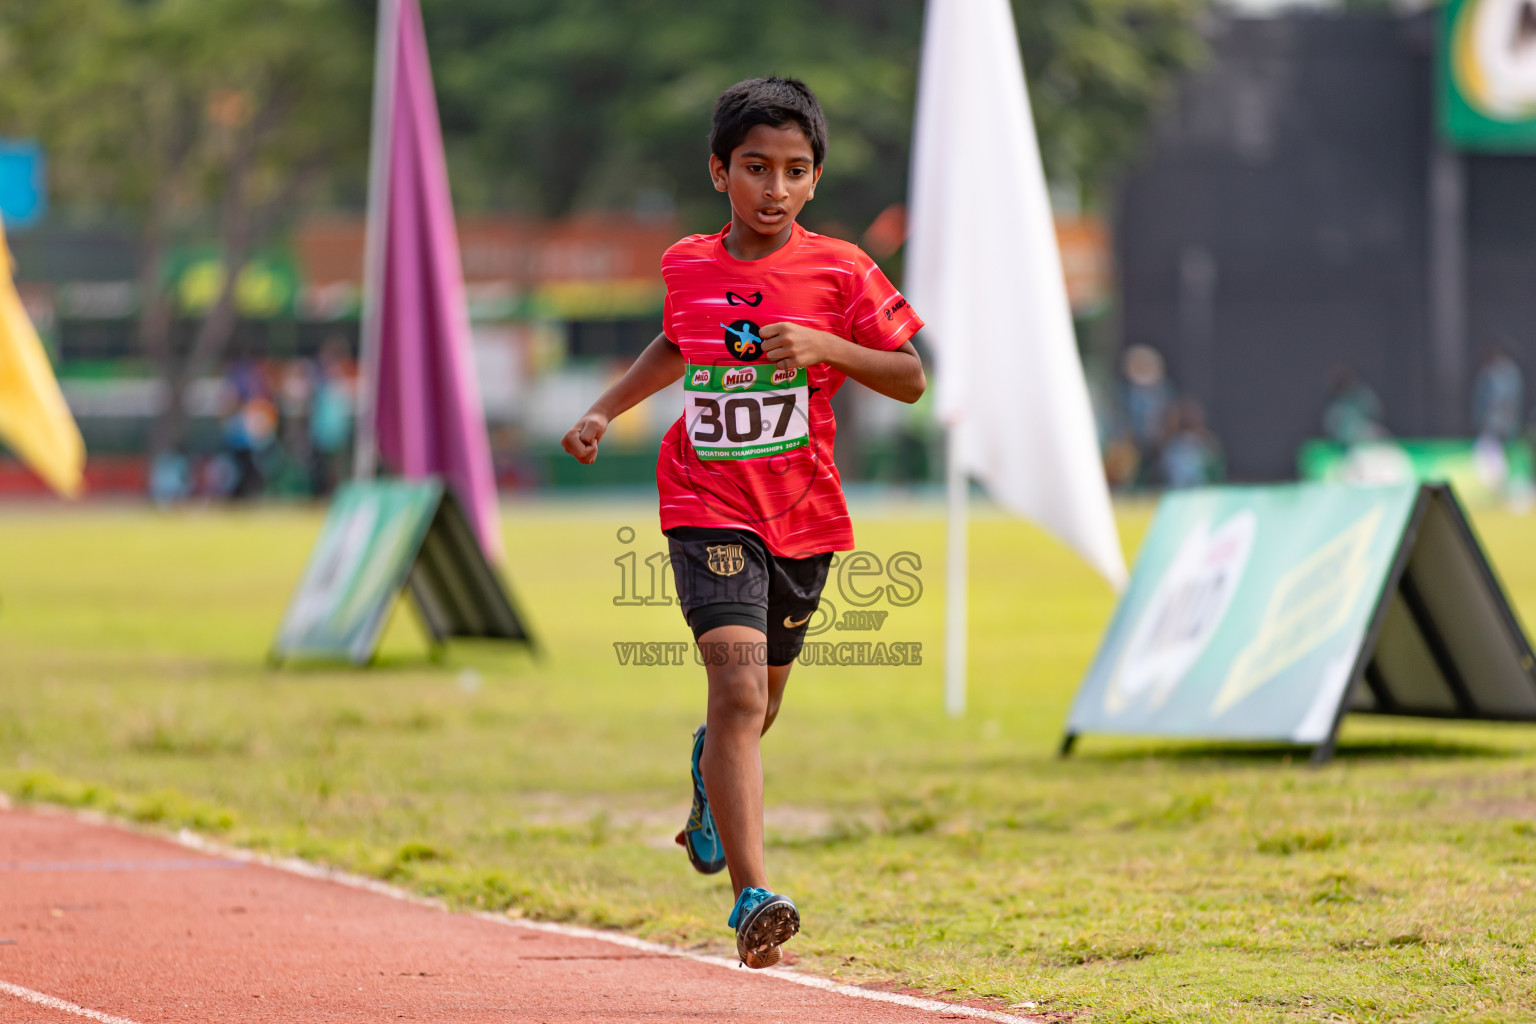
34	420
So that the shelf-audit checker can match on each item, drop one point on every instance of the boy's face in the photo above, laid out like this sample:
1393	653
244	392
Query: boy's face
771	175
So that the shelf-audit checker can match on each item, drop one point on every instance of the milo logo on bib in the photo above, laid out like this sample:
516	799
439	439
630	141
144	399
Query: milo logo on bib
738	378
746	412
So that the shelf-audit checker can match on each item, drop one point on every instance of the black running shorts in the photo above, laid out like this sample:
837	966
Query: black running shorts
730	578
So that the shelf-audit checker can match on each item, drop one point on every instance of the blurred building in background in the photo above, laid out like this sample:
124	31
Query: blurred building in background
1322	243
136	146
558	310
1300	227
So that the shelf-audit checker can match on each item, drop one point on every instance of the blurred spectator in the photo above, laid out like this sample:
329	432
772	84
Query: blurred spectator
1148	396
1498	397
285	430
1106	418
170	478
1353	413
1121	463
1146	399
1191	456
248	431
1120	459
330	418
296	394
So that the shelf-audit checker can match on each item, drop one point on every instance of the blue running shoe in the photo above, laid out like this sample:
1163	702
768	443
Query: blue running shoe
764	921
699	837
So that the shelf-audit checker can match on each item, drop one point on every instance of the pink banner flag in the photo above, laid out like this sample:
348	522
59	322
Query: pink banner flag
421	403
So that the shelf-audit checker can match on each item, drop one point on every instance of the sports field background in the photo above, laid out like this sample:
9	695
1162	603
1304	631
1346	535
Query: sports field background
1135	881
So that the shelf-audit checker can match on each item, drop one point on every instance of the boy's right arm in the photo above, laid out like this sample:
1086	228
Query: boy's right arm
659	365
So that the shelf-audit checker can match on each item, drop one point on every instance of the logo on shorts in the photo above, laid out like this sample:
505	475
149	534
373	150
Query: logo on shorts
735	380
700	377
725	559
791	624
781	376
743	339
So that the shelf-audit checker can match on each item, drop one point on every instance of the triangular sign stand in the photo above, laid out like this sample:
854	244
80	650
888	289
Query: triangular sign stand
380	537
1269	613
1443	641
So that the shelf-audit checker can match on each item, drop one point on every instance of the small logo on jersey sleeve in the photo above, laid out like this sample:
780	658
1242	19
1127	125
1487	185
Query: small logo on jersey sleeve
743	340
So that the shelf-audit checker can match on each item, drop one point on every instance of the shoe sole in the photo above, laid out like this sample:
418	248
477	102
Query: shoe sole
758	942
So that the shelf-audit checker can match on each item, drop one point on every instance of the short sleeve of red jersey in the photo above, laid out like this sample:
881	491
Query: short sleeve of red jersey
666	318
879	317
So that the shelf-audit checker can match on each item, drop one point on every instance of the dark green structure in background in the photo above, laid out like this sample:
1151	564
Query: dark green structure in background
1268	613
379	537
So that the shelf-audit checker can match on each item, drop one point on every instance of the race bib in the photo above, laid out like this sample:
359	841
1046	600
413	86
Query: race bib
746	412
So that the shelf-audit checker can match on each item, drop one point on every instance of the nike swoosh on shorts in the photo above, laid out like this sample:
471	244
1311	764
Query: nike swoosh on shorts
796	625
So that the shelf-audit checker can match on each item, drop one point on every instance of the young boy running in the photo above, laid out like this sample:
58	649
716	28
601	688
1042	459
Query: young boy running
763	321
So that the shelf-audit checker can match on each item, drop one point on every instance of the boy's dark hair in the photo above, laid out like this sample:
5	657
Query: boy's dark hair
777	102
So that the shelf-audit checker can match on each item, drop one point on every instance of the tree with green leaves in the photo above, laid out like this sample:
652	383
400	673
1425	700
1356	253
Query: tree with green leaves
175	111
555	105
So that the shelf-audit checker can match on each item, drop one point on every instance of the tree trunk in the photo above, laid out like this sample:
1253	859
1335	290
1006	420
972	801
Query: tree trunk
156	310
242	227
155	313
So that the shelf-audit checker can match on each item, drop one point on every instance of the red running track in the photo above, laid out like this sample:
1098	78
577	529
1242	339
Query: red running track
108	923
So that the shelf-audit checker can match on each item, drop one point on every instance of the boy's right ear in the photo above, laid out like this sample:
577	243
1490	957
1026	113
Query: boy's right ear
718	173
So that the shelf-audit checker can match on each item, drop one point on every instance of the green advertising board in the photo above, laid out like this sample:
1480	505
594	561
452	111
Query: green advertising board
1267	613
380	537
1486	71
1482	472
267	285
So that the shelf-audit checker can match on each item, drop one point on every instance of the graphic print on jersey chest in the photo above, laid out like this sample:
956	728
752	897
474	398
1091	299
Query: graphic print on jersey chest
744	340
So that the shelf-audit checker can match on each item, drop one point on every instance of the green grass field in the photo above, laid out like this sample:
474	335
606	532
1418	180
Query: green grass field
1133	882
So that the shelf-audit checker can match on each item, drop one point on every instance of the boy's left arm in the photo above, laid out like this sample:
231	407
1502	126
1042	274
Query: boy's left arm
896	373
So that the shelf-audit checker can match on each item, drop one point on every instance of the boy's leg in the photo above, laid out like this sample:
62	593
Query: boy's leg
722	580
778	678
794	594
732	764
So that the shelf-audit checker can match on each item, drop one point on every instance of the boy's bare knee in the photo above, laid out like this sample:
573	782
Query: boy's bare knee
738	696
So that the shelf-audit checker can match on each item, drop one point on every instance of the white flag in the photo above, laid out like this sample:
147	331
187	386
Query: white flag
984	272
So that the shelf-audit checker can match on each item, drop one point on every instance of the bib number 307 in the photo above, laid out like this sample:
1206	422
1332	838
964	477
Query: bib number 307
746	412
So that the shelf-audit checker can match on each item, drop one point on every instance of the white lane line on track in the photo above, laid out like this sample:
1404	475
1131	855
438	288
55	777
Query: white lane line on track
793	977
55	1003
293	865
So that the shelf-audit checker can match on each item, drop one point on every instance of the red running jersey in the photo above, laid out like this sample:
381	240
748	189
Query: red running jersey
753	448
